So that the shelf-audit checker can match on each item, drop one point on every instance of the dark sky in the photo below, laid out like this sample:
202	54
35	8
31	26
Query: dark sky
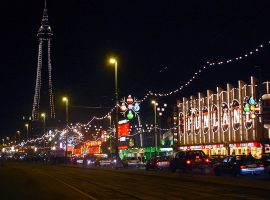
159	45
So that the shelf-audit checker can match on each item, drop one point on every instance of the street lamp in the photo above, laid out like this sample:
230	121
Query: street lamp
27	126
110	118
43	115
155	124
65	99
114	62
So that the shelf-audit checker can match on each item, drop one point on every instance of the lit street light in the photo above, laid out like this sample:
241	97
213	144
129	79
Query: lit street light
114	61
65	99
155	124
27	126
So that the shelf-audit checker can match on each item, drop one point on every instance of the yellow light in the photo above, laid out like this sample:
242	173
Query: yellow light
112	60
65	99
153	102
43	115
26	125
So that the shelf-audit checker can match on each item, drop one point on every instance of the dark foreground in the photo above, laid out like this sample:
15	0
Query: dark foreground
20	181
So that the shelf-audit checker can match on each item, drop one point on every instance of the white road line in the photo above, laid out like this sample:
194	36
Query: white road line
70	186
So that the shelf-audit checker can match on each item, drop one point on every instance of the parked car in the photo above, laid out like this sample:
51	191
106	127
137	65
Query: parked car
239	165
187	161
217	158
131	162
266	161
157	163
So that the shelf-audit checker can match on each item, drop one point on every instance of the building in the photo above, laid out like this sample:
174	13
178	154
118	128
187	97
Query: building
228	121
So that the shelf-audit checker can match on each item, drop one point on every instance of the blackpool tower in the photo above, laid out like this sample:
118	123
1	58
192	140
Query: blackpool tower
44	65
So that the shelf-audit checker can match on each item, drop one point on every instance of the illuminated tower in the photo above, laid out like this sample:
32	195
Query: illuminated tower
44	59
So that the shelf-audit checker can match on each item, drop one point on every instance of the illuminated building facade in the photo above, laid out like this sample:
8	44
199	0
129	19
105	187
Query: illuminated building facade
229	121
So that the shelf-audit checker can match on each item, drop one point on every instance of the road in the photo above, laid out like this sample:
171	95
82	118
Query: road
21	181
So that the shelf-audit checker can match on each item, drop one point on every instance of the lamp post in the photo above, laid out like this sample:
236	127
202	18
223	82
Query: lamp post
43	115
65	99
155	124
27	126
160	110
114	61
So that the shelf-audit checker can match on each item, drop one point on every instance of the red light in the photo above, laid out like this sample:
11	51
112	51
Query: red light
207	160
243	166
261	165
188	162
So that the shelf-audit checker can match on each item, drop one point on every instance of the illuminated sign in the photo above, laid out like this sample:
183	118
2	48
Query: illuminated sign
205	120
130	107
236	114
224	117
122	147
214	114
123	128
93	143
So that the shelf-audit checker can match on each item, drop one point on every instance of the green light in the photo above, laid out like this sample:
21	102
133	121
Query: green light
130	115
246	108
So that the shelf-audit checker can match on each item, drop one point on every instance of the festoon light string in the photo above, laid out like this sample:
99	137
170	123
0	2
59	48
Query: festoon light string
209	64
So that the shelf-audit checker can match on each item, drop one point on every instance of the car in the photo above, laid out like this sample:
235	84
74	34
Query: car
266	161
90	160
131	162
236	165
105	162
157	163
190	160
217	158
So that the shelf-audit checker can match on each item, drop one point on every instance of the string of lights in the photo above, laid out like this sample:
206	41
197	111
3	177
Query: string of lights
209	64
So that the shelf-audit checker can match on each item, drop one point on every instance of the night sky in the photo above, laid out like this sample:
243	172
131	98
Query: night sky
159	45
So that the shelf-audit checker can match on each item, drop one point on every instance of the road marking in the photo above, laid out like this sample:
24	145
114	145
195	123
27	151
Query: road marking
70	186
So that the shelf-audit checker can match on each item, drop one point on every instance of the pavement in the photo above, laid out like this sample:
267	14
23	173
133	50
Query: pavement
21	181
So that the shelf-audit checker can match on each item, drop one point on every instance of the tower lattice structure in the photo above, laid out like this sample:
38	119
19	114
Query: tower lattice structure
44	39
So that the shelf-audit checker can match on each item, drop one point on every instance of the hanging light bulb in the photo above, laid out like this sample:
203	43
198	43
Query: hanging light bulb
130	115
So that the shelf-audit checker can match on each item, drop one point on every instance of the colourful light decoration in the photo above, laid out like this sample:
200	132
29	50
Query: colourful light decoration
214	113
130	115
130	107
251	108
205	120
225	117
181	123
236	114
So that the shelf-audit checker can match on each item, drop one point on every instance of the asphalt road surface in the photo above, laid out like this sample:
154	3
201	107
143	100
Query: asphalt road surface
19	181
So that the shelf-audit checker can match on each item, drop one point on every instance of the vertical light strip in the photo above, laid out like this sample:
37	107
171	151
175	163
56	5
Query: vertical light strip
50	80
35	111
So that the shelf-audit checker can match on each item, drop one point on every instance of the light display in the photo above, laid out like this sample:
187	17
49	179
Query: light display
130	107
236	114
251	108
189	121
181	123
214	118
225	117
123	128
197	121
205	120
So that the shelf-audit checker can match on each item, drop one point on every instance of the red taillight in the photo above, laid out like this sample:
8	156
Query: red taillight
188	162
207	160
243	166
261	165
157	163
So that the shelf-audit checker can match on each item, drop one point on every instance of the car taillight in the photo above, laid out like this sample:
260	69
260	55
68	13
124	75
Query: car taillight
188	162
207	160
261	165
243	166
